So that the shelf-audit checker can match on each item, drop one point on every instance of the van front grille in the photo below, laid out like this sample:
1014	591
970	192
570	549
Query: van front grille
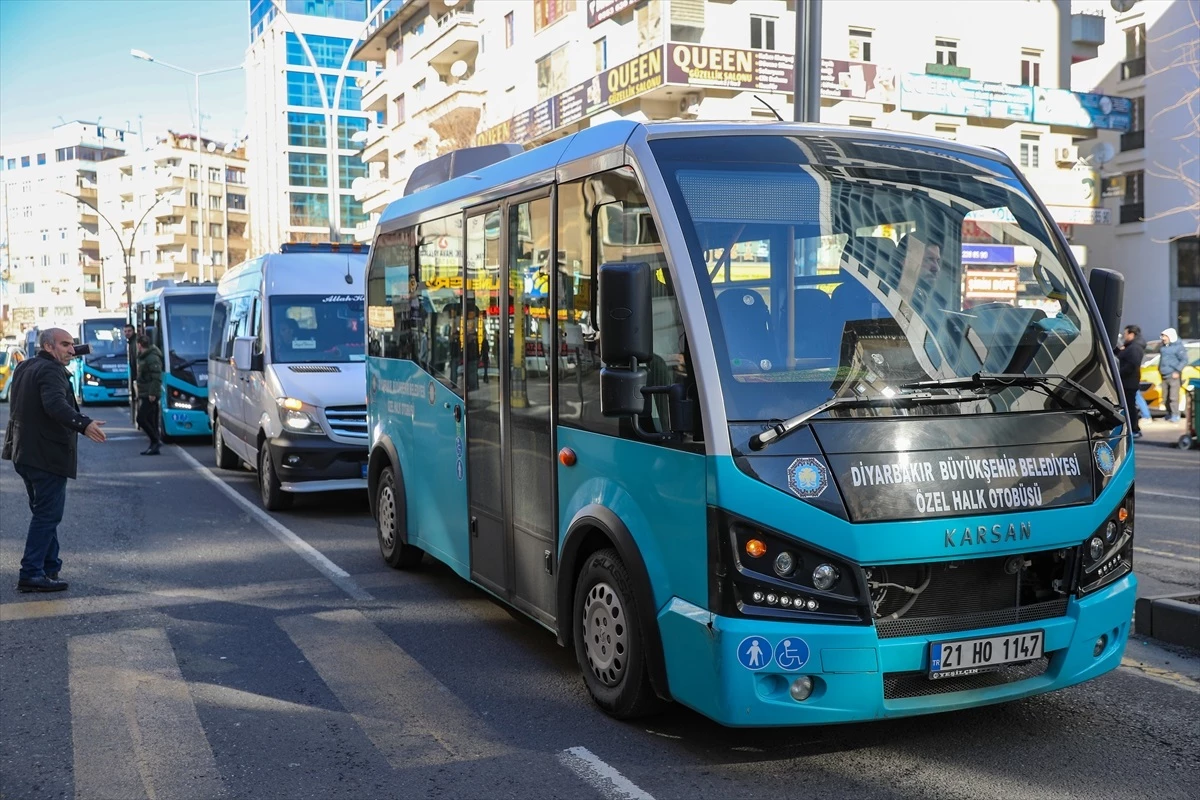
348	421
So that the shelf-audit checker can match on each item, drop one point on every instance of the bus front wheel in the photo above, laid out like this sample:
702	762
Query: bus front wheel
608	639
396	553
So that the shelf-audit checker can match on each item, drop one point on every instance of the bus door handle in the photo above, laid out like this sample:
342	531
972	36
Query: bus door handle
457	411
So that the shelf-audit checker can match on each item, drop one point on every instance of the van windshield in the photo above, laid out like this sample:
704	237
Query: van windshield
839	267
307	329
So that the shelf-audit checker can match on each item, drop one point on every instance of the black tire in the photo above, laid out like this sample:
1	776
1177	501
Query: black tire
396	553
609	646
274	498
223	457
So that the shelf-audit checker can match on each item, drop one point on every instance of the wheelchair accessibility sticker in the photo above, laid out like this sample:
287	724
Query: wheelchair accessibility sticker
791	654
754	653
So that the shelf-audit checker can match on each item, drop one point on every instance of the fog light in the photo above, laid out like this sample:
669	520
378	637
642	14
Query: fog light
755	548
1095	548
801	688
1110	532
811	605
292	461
785	562
1101	643
824	577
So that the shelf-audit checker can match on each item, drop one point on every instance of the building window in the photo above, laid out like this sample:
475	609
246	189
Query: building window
1133	203
306	130
419	87
308	169
45	234
347	127
214	174
1187	262
11	163
214	202
1031	144
349	168
41	159
548	12
552	73
762	33
193	171
1135	53
309	210
510	30
601	48
218	257
24	161
215	230
1135	137
1188	320
395	43
194	199
860	44
946	52
861	122
327	51
235	202
1031	68
234	175
303	90
195	255
400	109
195	228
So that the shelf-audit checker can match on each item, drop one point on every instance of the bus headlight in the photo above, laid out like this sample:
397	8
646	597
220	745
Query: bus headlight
1107	554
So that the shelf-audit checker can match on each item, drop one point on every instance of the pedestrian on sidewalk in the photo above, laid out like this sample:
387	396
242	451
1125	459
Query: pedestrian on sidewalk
149	387
1172	358
40	441
1129	360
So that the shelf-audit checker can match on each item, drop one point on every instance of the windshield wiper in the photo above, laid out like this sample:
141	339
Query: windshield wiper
1108	411
760	440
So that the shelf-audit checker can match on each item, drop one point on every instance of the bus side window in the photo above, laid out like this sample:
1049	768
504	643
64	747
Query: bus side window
392	262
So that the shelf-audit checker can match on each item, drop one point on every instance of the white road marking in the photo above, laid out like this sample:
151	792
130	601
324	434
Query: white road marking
410	716
1165	554
312	555
1167	494
606	780
1171	517
134	726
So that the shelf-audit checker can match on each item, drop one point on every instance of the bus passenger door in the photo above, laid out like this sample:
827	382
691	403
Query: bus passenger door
481	380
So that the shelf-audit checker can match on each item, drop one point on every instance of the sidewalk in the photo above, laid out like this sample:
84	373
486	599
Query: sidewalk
1158	432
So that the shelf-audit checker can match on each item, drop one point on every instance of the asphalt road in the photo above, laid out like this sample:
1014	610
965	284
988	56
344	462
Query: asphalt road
200	653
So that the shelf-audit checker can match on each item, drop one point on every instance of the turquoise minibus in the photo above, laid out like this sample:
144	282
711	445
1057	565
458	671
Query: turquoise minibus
832	431
178	318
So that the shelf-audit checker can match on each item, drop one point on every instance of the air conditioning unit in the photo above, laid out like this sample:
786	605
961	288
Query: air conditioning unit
1066	155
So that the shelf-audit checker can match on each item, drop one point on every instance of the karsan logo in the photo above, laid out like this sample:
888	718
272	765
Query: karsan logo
970	536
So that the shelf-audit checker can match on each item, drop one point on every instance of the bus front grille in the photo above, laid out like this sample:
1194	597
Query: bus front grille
348	421
902	685
950	596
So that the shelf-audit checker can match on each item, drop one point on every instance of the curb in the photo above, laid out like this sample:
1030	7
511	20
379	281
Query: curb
1169	618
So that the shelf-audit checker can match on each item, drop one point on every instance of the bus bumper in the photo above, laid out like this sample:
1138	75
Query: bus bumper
104	394
318	464
177	422
850	667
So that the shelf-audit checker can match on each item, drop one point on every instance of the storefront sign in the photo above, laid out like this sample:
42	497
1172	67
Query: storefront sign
1073	215
858	81
726	67
991	284
1079	110
600	10
965	98
988	254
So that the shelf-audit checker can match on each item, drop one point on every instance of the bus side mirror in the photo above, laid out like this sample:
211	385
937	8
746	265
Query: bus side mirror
1108	289
626	337
244	359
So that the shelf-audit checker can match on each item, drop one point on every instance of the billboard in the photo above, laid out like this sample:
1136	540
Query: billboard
1081	110
963	97
854	80
600	10
729	68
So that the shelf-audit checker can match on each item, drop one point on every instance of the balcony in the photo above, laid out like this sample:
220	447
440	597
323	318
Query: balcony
451	105
1133	140
1131	212
374	90
1087	34
170	236
1133	68
377	145
455	38
167	179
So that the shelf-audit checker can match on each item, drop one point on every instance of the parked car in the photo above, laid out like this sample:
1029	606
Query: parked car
1151	384
9	358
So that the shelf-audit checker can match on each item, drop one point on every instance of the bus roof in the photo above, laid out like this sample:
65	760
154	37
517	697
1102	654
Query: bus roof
177	290
536	167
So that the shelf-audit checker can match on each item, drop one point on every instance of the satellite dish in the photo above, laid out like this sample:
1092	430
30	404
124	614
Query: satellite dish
451	3
212	147
1102	153
1121	6
458	68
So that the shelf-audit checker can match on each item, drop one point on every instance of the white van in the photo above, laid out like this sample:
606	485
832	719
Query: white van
286	373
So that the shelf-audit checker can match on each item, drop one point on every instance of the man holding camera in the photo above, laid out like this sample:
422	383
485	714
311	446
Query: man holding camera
40	441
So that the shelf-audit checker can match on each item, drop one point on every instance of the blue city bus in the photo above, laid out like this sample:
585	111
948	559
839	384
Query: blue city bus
178	318
102	376
837	435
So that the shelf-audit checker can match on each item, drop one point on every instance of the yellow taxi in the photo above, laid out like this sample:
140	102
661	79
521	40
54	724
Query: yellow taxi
9	358
1151	383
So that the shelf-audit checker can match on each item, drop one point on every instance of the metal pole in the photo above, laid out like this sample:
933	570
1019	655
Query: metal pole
806	74
200	180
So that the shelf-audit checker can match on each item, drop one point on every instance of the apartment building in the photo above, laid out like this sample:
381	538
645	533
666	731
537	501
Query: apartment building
51	270
303	115
445	74
1151	173
181	210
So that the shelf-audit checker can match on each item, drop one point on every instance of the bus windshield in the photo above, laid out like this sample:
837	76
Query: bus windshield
188	319
307	329
107	340
837	267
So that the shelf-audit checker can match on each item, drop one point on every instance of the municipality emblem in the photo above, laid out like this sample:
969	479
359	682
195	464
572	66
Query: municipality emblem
1106	462
807	477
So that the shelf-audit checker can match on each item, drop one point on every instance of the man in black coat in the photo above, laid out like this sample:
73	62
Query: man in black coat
1129	361
40	441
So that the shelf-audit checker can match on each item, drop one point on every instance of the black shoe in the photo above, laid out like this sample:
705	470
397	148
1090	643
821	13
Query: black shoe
152	450
52	576
42	583
1137	434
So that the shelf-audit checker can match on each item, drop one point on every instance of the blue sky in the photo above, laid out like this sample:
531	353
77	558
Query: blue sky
77	65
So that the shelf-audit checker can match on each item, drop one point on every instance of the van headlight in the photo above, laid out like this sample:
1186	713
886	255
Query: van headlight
298	416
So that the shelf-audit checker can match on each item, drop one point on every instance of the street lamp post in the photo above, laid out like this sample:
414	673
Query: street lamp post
196	76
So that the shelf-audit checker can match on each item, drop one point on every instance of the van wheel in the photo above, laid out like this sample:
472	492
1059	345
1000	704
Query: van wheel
274	498
608	639
223	457
396	553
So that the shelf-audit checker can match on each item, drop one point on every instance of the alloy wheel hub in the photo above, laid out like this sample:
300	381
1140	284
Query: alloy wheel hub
605	634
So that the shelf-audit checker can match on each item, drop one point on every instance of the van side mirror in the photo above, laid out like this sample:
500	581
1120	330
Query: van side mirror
244	359
626	337
1108	289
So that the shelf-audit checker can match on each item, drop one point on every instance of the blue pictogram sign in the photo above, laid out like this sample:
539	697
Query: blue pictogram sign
791	653
754	653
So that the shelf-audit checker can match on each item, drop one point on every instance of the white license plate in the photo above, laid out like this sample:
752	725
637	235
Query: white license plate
970	656
120	392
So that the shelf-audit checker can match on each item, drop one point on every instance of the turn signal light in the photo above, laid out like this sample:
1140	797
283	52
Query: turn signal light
755	548
292	404
1122	513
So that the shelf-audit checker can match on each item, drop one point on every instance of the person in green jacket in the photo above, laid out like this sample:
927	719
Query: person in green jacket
149	387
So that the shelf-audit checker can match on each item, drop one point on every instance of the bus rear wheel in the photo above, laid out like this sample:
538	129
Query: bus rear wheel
608	639
396	553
